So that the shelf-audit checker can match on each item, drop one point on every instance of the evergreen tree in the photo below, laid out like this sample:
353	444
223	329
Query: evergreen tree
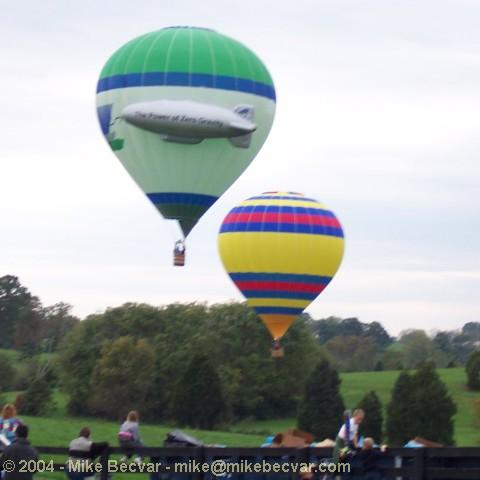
434	406
322	407
37	399
473	371
420	406
198	400
7	372
401	422
373	422
379	367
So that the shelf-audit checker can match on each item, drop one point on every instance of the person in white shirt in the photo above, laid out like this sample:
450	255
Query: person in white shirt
82	452
348	434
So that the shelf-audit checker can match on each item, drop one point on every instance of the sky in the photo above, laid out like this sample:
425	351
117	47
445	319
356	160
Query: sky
377	116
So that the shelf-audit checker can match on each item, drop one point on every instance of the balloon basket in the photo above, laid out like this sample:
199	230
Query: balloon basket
179	260
179	254
277	350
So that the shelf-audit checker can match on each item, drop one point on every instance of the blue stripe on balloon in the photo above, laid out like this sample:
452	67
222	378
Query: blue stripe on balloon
182	79
279	277
278	310
279	294
282	209
180	198
281	228
104	113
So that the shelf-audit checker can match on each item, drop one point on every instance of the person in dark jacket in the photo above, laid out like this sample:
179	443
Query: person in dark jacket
367	459
13	455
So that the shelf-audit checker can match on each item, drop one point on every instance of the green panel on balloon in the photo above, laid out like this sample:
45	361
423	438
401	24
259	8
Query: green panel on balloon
185	110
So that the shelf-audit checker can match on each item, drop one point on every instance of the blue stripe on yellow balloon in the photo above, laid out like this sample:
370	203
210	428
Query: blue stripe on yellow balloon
279	294
297	198
282	209
279	277
281	228
278	310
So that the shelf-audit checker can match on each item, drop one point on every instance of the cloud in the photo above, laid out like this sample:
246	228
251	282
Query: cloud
377	117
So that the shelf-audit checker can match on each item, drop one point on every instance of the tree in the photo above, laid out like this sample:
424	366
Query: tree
122	377
393	358
472	370
33	368
58	321
37	399
7	372
401	422
198	400
322	407
255	385
373	423
378	333
472	329
379	367
435	408
77	357
417	347
443	354
420	406
325	329
352	353
20	315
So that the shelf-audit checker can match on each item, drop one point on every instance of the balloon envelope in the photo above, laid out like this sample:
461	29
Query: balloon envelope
185	110
281	249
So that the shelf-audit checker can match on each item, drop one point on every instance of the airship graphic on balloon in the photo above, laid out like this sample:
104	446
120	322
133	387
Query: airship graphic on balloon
188	122
185	110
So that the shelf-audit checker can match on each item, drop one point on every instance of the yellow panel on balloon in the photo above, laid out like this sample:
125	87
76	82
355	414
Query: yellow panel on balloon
281	250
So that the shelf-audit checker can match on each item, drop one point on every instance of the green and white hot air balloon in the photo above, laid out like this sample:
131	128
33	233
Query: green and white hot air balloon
185	110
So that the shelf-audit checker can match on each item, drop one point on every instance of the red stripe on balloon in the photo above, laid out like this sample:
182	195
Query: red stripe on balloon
281	286
303	218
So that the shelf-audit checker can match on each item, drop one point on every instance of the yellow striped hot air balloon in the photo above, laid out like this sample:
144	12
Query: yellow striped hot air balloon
281	249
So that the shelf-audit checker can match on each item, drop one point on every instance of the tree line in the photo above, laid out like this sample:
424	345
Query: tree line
204	366
351	345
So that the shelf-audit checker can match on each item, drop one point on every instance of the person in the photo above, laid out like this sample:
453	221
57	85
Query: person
83	449
129	436
9	422
367	459
19	450
347	437
179	254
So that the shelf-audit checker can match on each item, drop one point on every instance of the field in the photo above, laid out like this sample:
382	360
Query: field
59	429
355	385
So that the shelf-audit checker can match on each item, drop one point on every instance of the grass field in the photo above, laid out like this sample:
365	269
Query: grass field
355	385
59	429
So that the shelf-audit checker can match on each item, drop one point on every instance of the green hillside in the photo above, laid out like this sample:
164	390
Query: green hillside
355	385
59	429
